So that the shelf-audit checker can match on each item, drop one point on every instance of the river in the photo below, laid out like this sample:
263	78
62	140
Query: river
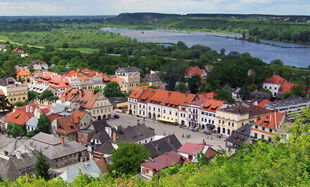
294	56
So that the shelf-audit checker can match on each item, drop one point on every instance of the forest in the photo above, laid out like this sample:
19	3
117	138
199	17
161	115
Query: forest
280	163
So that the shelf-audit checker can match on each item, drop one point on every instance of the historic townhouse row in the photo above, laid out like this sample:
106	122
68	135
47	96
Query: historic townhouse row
184	109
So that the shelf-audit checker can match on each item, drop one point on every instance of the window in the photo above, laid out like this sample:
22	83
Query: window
228	123
270	130
256	127
232	124
263	137
255	135
263	128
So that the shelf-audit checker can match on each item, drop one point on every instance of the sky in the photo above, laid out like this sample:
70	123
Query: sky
114	7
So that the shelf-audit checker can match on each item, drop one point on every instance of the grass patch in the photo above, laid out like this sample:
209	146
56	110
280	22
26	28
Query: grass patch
5	38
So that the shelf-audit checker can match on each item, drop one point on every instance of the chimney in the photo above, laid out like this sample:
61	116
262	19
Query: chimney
114	136
169	139
275	120
156	147
31	109
204	142
62	140
27	108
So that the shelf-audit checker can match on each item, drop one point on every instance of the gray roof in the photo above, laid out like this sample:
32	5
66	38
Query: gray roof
116	100
105	148
100	125
59	108
7	81
102	136
135	133
32	122
292	100
9	145
51	148
17	165
46	138
259	96
162	145
90	168
151	78
241	135
127	69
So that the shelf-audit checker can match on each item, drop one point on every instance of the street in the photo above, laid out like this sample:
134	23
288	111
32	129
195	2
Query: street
166	129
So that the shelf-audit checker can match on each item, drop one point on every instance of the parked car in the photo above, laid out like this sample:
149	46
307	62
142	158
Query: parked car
207	132
195	130
116	116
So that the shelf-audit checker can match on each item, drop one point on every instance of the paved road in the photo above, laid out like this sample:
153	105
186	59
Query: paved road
166	128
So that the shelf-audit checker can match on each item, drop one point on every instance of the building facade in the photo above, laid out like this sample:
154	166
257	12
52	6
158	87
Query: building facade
13	90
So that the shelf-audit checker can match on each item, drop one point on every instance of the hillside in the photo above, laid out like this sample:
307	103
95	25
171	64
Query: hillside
261	164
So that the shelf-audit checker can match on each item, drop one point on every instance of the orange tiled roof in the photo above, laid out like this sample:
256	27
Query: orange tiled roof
86	98
263	103
271	120
212	105
210	95
18	118
148	93
22	73
276	79
159	96
18	51
77	116
135	94
174	99
195	70
67	125
118	80
52	117
287	87
188	98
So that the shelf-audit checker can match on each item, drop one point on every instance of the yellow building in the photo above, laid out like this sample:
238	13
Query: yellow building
13	90
231	118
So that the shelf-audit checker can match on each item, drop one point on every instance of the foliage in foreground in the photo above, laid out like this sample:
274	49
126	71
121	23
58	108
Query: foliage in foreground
261	164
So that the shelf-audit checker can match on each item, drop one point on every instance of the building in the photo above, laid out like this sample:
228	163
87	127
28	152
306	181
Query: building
23	76
2	48
154	166
89	168
38	65
93	102
20	52
13	90
195	70
190	151
267	126
291	106
239	137
153	79
235	116
87	79
69	125
202	113
58	152
40	88
163	145
18	164
127	77
258	96
277	85
26	116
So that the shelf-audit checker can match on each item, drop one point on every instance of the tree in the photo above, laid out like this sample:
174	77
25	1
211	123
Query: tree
48	95
42	167
224	95
172	73
194	84
5	104
112	89
32	95
277	62
15	130
43	124
182	87
97	89
9	68
128	157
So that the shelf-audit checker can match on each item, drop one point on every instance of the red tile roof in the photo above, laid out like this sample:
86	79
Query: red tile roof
159	96
53	116
286	87
174	99
67	125
210	95
148	93
271	120
22	73
276	79
86	98
164	161
18	51
195	70
18	118
118	80
102	164
263	103
212	105
191	148
188	99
